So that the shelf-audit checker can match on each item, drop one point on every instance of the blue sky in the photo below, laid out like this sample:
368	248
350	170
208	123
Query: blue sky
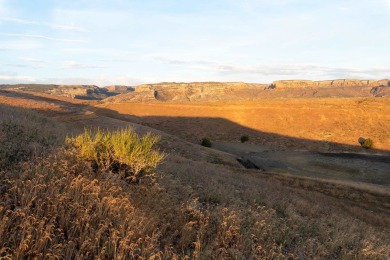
131	42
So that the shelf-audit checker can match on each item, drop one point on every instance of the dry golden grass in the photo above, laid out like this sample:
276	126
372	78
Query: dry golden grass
56	206
339	120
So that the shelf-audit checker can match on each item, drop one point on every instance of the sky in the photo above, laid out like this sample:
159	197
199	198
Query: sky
130	42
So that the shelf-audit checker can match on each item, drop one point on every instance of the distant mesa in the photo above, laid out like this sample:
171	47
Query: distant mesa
190	92
238	91
86	92
339	83
89	92
215	91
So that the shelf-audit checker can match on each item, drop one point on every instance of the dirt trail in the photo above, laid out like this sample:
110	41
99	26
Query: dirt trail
354	167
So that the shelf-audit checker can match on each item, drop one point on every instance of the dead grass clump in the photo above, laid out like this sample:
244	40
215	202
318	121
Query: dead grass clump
121	151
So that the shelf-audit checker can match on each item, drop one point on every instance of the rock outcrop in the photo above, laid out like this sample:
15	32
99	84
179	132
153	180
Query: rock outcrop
196	91
381	91
89	92
119	88
216	91
339	83
237	91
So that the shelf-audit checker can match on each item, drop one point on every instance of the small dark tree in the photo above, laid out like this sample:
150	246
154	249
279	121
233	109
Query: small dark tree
206	142
244	138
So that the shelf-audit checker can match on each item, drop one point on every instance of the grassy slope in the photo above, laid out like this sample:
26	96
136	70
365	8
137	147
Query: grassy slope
55	205
338	120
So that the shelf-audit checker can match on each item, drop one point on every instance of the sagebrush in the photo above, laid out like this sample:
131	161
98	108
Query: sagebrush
244	138
206	142
368	143
121	151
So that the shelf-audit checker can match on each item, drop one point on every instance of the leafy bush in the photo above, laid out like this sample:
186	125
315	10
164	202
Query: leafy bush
244	138
206	142
368	143
121	151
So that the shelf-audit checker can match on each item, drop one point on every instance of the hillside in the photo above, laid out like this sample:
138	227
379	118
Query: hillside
305	201
316	124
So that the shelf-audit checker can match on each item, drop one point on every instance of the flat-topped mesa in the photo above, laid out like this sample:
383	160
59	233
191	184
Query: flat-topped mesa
200	85
283	84
194	91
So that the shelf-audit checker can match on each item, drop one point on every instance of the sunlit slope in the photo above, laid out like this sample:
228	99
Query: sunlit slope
339	120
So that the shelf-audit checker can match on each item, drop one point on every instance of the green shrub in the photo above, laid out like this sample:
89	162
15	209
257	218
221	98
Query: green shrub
368	143
206	142
244	138
121	151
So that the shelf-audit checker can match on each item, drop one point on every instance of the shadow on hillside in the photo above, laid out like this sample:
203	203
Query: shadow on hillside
193	129
63	104
222	130
273	152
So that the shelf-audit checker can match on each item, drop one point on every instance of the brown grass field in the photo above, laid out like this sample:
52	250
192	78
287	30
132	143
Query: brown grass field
322	120
202	204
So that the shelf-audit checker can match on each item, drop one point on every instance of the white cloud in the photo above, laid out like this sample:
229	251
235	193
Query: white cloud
308	70
64	27
3	9
15	79
174	61
37	36
17	20
71	64
385	2
18	45
18	65
33	60
276	71
102	80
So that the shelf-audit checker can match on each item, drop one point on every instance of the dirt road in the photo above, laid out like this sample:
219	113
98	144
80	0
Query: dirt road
357	167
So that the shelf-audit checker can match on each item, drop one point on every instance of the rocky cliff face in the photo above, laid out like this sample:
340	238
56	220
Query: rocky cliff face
198	91
217	91
91	92
281	84
381	91
237	91
119	88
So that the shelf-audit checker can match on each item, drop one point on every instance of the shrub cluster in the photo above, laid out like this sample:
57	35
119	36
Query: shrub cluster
206	142
244	138
368	143
121	151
